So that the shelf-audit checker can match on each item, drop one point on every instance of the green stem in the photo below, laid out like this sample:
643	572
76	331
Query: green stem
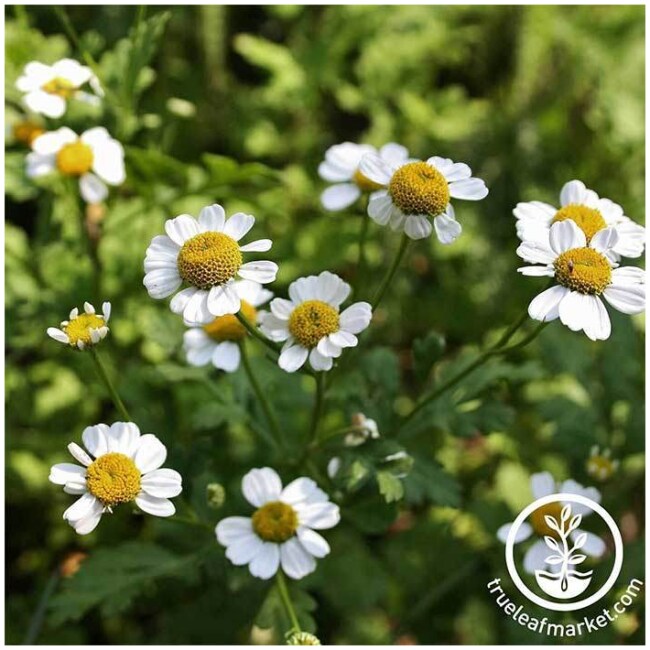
318	406
261	397
101	370
286	601
361	264
37	619
391	271
253	331
497	349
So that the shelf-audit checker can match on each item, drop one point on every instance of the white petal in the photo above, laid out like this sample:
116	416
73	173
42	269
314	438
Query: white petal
536	252
593	545
150	454
58	335
450	170
223	299
542	484
545	306
163	483
212	218
535	212
627	275
196	310
604	240
92	189
226	356
108	162
201	355
162	282
376	169
72	71
52	141
63	473
447	228
282	308
95	136
418	226
340	196
262	271
274	328
244	549
292	358
319	515
537	271
313	542
81	508
334	174
252	292
95	439
381	208
180	300
331	289
343	339
88	523
573	192
35	74
79	454
296	561
565	235
535	557
470	189
356	317
106	311
260	486
231	529
597	325
394	154
123	437
182	228
575	310
155	505
573	487
238	225
44	103
265	564
320	362
257	246
38	165
629	299
523	532
303	490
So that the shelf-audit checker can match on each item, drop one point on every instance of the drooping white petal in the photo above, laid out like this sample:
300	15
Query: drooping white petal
296	561
313	542
356	317
108	161
575	310
200	354
181	228
261	485
238	225
418	226
265	563
320	362
226	356
162	282
340	196
535	557
81	507
292	357
196	310
92	189
542	484
597	325
244	549
545	306
212	218
155	505
180	300
162	483
628	299
223	299
88	523
150	453
523	532
380	207
447	228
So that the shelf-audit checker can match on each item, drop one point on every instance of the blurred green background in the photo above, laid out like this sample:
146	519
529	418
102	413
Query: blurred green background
237	105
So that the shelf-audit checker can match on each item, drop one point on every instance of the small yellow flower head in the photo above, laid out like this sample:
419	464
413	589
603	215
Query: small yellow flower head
113	478
600	465
302	638
74	159
275	522
538	519
26	132
419	188
228	327
311	321
83	330
589	220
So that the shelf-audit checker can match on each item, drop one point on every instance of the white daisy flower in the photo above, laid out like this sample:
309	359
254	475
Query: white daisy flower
310	322
118	466
543	485
281	531
47	88
600	464
205	255
218	341
590	213
414	192
83	330
95	158
363	429
584	272
341	167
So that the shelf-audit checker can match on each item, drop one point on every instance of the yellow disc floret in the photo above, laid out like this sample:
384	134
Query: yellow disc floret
209	259
228	327
59	86
601	467
275	522
419	188
113	478
364	183
584	270
74	159
538	521
26	132
589	220
78	329
311	321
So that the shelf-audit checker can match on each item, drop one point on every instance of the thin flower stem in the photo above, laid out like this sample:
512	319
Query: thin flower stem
101	370
391	271
498	349
253	331
261	397
318	406
38	617
286	601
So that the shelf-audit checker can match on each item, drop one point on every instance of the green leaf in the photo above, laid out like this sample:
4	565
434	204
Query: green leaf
390	487
428	481
426	351
273	614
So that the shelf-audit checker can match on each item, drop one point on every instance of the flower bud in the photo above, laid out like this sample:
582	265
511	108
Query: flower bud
215	495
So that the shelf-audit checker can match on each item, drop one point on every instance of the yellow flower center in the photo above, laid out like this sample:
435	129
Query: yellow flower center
26	132
209	259
59	86
364	183
74	159
538	522
419	188
78	329
113	478
583	270
275	522
228	327
589	220
311	321
600	467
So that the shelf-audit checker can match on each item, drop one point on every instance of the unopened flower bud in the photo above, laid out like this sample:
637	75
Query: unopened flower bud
72	563
215	495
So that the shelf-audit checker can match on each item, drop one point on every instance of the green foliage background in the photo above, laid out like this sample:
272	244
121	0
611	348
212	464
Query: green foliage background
530	97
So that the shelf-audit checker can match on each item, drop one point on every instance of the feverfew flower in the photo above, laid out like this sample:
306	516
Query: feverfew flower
543	485
600	465
341	167
310	322
583	272
363	429
413	193
218	341
119	466
83	330
281	531
590	213
47	88
205	255
95	158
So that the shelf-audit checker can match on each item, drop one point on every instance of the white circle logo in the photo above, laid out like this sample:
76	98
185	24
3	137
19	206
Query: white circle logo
564	542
